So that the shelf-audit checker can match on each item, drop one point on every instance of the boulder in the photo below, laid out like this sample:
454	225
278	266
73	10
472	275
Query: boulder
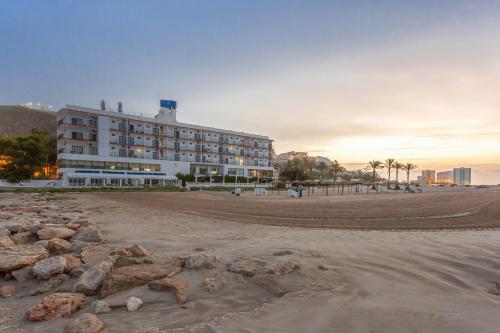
87	234
71	262
52	232
94	254
282	253
17	257
284	267
63	304
108	263
243	267
100	307
6	241
42	243
23	274
134	250
174	283
85	323
45	268
76	246
494	288
127	261
137	275
59	246
221	280
90	281
269	283
24	238
31	209
201	261
52	283
134	303
7	291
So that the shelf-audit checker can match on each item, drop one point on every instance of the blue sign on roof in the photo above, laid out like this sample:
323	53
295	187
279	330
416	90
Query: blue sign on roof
168	104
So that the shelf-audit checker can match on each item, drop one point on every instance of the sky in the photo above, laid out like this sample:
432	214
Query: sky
354	81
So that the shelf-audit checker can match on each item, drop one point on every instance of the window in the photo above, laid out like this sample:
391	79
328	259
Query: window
93	123
77	135
76	149
177	146
122	140
76	121
93	137
92	150
177	157
122	152
74	181
155	155
122	126
156	131
130	140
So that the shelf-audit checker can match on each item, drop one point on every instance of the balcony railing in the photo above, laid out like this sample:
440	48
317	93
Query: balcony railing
77	151
83	138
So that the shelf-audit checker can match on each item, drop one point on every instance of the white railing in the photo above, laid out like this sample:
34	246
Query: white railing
246	185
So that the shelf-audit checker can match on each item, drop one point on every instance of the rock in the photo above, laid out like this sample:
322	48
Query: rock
494	289
59	246
107	264
49	285
90	281
94	254
86	222
322	267
24	238
52	232
100	307
73	226
23	255
71	262
7	291
6	241
79	270
87	234
126	261
23	274
134	250
76	246
243	267
282	253
85	323
137	275
134	303
42	243
31	209
270	284
221	280
201	261
63	304
200	249
284	267
47	267
174	283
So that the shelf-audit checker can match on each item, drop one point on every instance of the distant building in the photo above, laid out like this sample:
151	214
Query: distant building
444	177
428	177
291	155
319	160
462	176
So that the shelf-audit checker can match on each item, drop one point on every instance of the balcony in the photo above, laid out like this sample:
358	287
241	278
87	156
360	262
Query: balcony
77	138
68	124
84	151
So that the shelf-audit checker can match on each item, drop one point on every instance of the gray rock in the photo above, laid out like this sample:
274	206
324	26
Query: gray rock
24	238
270	284
85	323
90	281
134	303
243	267
23	274
45	268
201	261
55	232
100	307
282	253
88	234
51	284
20	256
79	270
43	243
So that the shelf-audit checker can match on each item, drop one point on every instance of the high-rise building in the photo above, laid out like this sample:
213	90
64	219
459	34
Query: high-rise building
99	147
462	176
444	177
428	177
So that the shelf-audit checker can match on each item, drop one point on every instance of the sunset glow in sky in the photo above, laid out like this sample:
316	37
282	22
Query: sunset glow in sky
351	80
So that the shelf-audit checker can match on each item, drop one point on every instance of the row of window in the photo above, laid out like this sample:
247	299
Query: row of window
108	165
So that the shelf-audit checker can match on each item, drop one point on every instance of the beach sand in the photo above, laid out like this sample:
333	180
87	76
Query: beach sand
372	280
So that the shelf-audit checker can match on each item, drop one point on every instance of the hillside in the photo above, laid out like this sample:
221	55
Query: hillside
19	120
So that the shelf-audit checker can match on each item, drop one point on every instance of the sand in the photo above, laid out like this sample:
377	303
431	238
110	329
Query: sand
377	280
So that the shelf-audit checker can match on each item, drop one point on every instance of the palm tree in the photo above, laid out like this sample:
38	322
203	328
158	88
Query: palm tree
374	165
408	167
398	166
336	168
389	164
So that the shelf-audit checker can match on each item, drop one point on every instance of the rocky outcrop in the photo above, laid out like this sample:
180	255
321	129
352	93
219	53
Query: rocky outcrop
137	275
53	232
71	262
17	257
85	323
174	283
45	268
23	274
201	261
24	238
284	267
58	304
243	267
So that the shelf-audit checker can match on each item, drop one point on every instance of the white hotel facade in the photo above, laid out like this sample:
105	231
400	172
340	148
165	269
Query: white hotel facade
102	147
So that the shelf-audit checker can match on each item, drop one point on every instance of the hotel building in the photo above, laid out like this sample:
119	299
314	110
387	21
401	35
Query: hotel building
428	177
444	177
103	147
462	176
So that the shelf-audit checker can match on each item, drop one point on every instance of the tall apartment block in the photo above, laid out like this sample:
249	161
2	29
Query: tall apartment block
462	176
428	177
103	147
444	177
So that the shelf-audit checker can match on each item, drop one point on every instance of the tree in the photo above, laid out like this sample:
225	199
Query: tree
25	157
408	167
336	169
322	167
294	170
397	166
389	164
374	165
